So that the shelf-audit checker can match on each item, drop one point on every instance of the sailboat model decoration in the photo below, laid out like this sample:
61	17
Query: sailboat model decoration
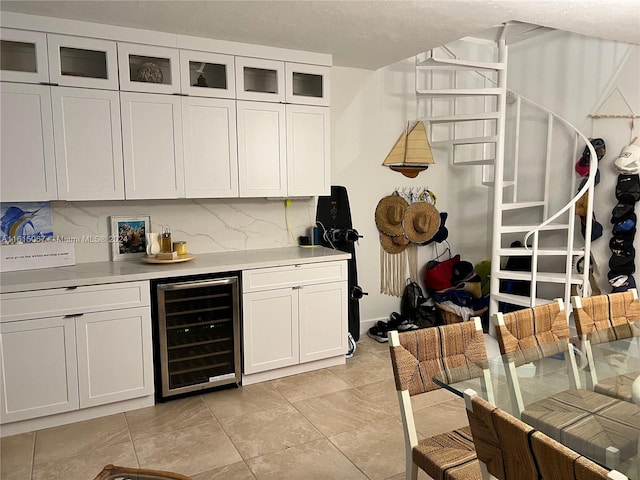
411	153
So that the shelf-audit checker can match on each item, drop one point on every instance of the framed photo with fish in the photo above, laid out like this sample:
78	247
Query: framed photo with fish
128	236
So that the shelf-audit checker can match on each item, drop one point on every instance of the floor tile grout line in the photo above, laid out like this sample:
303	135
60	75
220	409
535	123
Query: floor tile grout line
33	454
133	444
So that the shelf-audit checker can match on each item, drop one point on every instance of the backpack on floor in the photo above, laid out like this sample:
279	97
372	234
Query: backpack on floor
414	307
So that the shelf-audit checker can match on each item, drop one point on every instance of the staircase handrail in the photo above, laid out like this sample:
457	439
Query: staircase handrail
587	185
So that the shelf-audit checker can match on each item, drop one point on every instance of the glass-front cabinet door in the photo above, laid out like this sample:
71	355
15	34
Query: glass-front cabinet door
83	62
258	79
145	68
307	84
23	56
205	74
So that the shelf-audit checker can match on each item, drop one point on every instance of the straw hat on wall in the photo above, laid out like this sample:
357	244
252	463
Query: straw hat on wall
389	214
395	244
421	222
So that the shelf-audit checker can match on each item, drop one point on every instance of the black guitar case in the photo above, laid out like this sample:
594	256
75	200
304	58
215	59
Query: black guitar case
333	216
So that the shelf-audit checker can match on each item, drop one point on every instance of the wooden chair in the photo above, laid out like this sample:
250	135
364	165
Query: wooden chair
113	472
532	334
417	356
509	448
501	441
557	462
605	318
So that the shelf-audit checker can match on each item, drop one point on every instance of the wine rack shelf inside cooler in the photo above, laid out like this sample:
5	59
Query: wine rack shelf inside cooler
199	334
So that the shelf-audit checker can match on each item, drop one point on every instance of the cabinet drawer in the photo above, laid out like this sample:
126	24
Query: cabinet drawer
293	276
75	300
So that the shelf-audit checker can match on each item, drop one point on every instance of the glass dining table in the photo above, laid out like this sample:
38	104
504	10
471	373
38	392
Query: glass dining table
548	378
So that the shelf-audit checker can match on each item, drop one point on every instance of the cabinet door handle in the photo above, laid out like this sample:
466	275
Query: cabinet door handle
71	288
296	288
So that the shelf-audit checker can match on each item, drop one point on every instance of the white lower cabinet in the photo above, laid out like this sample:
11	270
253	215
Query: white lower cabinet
38	368
58	364
323	331
294	315
114	356
270	330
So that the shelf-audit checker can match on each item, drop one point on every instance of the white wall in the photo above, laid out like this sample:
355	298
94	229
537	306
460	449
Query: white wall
368	112
571	74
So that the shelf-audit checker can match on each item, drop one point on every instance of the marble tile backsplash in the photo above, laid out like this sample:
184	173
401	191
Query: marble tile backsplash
207	225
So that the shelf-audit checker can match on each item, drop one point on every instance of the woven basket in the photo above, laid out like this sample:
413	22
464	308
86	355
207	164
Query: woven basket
449	315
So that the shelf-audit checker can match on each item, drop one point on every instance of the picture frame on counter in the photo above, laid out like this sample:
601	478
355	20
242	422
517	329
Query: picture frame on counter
128	236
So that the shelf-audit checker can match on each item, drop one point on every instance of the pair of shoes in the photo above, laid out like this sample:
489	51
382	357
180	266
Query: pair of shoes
400	322
352	346
378	332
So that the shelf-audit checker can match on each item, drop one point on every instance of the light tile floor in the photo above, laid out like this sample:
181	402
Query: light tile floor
338	423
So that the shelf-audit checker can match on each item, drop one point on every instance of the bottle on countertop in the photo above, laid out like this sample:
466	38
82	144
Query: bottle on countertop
165	239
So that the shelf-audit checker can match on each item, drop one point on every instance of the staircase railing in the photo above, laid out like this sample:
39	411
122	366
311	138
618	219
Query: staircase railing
570	207
497	173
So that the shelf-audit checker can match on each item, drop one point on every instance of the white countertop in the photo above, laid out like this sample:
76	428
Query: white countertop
126	271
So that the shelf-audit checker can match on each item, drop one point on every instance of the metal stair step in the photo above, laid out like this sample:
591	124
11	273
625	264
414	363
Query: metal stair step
547	277
482	161
528	228
492	183
463	117
523	252
457	62
460	92
518	299
521	205
465	141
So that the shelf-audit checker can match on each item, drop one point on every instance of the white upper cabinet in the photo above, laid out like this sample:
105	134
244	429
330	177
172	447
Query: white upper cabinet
145	68
83	62
88	144
23	56
262	162
307	84
157	116
204	74
210	147
152	145
27	158
308	150
258	79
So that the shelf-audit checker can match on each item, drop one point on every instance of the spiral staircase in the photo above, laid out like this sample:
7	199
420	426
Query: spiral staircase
524	151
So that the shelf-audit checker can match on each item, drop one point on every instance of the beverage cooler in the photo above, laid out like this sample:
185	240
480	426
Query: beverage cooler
197	334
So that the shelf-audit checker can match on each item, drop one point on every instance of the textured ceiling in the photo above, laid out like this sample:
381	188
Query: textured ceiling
365	34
